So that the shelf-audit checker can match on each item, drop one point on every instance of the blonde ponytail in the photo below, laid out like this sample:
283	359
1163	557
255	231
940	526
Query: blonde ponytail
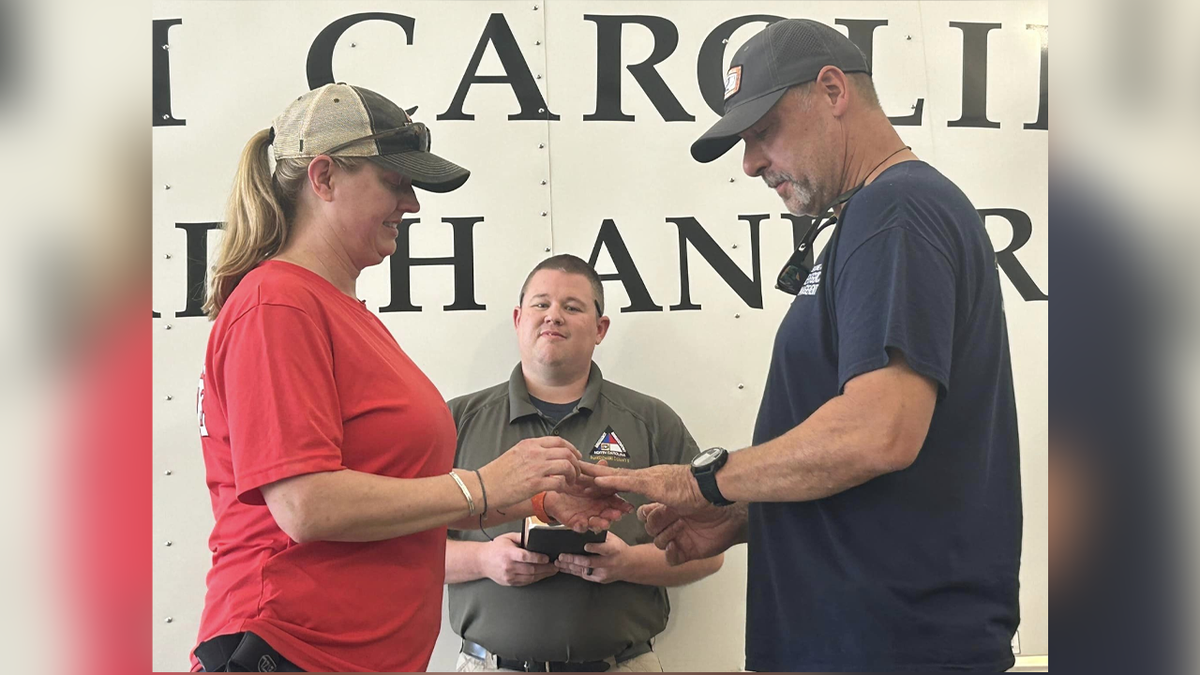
256	220
260	214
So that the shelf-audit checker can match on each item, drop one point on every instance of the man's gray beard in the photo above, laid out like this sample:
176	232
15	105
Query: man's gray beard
801	195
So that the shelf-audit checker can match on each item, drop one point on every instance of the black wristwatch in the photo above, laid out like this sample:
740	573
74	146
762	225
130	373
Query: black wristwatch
704	469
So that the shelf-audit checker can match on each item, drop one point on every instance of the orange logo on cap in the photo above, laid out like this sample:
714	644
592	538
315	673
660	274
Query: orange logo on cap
733	81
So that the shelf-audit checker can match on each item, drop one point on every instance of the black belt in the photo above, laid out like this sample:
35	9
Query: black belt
472	649
242	652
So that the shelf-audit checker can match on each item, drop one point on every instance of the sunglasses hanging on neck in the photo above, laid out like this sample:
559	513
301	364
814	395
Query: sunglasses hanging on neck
799	265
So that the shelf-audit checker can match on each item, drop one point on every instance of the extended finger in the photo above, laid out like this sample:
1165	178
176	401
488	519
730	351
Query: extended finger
621	480
598	469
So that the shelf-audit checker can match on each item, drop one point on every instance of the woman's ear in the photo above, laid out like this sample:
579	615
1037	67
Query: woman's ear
320	177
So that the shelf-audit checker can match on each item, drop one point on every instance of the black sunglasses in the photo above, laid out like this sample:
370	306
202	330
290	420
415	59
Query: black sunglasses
799	265
411	137
797	268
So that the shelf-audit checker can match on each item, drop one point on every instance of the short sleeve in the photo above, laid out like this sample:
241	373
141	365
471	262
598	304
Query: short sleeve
895	290
281	398
673	444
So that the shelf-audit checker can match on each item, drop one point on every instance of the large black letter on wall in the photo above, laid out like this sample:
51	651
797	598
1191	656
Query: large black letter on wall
1022	229
709	75
608	68
516	75
1043	121
197	260
320	54
748	289
161	75
862	33
974	75
627	273
463	262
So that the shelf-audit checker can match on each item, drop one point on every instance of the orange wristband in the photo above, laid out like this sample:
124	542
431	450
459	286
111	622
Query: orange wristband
539	509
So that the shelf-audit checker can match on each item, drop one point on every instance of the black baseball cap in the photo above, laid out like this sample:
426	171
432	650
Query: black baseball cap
347	121
786	53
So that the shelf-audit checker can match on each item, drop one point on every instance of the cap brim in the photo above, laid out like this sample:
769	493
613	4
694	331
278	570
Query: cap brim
427	170
724	134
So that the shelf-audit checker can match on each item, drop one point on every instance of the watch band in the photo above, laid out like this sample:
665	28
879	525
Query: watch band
539	509
707	480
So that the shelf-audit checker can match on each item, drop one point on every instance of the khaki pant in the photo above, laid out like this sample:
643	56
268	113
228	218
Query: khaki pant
646	663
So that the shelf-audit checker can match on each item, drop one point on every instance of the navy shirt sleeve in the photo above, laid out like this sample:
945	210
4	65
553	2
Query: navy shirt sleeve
895	289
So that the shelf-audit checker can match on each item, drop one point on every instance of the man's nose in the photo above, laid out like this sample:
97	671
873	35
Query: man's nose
753	161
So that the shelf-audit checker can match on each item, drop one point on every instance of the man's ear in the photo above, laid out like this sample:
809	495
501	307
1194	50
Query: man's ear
320	177
833	87
516	316
602	329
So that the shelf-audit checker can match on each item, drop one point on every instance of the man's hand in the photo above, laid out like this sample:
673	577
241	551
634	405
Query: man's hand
507	564
610	562
670	484
701	534
586	513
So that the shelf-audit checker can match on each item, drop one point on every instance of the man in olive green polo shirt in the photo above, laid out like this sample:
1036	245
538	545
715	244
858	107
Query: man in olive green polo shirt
514	609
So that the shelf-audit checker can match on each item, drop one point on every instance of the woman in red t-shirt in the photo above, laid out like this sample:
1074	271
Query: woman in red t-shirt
328	451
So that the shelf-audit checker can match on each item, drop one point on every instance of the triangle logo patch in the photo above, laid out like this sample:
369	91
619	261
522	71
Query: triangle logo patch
609	447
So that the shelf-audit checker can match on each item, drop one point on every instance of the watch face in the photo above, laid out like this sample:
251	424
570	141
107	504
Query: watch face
707	457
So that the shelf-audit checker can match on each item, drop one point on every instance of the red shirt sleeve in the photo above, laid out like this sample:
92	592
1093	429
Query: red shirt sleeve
280	397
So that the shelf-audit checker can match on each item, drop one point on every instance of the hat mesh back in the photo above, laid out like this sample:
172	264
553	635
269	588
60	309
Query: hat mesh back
321	120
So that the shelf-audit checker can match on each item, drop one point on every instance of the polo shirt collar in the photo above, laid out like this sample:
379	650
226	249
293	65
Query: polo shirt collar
518	393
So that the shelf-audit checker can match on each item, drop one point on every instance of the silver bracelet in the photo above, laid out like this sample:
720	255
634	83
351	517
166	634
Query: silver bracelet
466	493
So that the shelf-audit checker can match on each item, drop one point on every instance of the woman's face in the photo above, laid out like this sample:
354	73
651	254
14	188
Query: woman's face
367	207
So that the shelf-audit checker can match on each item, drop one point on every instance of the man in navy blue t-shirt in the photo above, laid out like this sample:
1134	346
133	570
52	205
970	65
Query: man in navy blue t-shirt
881	499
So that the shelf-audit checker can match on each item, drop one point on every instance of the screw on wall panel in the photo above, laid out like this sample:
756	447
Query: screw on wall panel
167	47
167	186
730	180
543	213
535	7
541	145
734	246
168	542
167	256
737	316
539	76
543	182
169	397
166	117
168	620
741	386
167	327
547	249
725	41
907	37
353	44
541	110
537	42
167	472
